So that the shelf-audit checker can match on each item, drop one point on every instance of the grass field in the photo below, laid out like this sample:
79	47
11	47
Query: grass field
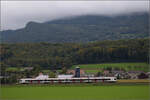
104	92
133	81
92	71
127	66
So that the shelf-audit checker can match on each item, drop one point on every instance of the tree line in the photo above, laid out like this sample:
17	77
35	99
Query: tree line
59	55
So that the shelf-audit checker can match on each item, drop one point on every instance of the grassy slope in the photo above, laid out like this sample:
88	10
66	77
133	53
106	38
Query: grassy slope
130	92
128	66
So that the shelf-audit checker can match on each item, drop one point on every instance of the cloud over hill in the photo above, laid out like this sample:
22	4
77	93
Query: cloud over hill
15	14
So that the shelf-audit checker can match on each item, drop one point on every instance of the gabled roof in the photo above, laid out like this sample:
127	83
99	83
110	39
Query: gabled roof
41	76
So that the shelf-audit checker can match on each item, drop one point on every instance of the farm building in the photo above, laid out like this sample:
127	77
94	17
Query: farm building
66	79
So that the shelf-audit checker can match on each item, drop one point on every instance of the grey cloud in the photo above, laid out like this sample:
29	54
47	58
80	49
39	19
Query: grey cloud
15	14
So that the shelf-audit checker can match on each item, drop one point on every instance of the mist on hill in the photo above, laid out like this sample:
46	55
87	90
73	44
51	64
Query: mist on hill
16	14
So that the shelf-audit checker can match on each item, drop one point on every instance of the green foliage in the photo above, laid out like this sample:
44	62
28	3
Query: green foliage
64	70
12	69
98	74
3	68
118	76
37	69
13	79
56	56
52	75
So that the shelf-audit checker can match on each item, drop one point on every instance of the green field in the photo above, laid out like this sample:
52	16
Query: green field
89	92
92	71
127	66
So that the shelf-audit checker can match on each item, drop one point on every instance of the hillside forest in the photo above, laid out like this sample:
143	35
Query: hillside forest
59	55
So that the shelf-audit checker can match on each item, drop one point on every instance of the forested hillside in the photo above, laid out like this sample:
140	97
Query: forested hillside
81	29
58	55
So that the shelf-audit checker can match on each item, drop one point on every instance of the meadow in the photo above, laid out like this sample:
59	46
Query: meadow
140	66
94	68
75	92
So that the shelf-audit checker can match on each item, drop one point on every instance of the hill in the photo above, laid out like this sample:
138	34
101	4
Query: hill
81	29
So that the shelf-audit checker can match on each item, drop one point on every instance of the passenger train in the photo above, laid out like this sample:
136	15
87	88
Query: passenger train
68	80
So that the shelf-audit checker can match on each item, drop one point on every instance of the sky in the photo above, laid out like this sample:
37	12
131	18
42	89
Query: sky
16	14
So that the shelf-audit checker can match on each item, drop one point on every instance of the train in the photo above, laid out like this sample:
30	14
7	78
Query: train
67	80
77	78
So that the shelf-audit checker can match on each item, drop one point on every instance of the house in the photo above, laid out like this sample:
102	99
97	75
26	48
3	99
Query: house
41	76
135	72
82	72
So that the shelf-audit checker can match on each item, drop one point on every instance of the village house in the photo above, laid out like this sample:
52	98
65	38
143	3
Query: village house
82	72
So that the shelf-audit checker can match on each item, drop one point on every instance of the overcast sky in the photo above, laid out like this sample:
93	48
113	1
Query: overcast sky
15	14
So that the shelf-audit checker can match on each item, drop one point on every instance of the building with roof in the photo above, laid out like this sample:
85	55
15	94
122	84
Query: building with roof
66	79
